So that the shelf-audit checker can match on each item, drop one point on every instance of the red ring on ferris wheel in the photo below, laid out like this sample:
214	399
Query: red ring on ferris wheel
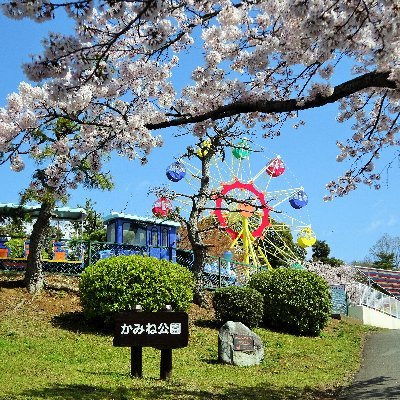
226	188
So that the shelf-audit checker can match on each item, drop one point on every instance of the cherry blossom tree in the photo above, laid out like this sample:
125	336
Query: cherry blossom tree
265	62
198	228
56	170
346	275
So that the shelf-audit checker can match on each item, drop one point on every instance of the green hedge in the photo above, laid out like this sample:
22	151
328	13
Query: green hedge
16	247
119	283
240	304
295	301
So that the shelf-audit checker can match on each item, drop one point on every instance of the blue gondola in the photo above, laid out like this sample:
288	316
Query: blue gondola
176	171
299	199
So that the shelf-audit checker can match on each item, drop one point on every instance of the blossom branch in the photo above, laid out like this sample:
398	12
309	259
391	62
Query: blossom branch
369	80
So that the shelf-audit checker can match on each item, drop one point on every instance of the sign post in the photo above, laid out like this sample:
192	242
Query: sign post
137	354
162	330
166	357
166	364
136	362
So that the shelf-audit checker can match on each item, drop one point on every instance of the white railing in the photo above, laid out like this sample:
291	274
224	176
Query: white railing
379	301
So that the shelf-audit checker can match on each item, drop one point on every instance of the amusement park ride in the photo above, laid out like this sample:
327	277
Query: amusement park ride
251	208
126	235
257	215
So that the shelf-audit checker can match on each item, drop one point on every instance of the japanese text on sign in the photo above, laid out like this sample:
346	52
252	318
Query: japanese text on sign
161	330
173	328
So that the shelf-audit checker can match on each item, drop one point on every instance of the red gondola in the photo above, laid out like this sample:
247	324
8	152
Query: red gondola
275	167
162	207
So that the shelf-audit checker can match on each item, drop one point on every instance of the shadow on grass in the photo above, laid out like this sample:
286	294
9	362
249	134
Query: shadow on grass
381	387
12	284
208	323
216	325
77	322
172	391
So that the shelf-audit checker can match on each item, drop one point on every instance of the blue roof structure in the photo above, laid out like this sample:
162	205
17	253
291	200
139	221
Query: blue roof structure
130	217
59	213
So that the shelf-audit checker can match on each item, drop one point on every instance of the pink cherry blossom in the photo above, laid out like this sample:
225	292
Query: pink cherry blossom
115	77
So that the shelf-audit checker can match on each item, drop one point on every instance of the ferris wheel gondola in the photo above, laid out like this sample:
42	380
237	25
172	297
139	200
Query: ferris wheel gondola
252	208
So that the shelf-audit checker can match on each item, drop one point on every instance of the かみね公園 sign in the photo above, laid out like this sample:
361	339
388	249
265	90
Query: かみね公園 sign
161	330
164	330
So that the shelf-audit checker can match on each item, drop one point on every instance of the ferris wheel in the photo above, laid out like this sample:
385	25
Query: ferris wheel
260	211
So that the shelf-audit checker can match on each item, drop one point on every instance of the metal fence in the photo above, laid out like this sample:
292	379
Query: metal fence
95	251
218	272
379	301
77	256
54	266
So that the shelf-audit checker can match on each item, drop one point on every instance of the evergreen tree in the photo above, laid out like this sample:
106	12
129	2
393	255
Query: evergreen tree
321	251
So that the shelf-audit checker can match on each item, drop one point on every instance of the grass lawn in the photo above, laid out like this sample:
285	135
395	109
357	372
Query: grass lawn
48	352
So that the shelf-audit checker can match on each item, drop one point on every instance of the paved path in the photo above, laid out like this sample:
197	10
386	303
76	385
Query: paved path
379	376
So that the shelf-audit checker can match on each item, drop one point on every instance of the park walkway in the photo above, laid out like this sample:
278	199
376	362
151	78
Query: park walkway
379	376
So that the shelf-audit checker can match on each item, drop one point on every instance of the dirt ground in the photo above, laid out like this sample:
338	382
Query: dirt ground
13	295
60	296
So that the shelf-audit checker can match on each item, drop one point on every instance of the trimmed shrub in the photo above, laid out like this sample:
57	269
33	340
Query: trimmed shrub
119	283
295	301
16	247
239	304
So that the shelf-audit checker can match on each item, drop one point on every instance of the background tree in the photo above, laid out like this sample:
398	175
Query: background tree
363	263
93	224
385	253
385	261
321	251
280	246
216	240
12	222
335	262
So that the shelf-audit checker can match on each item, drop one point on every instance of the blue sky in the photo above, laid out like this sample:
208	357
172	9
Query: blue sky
350	225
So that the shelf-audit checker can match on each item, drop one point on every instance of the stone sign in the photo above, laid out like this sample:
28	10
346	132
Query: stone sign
238	345
243	343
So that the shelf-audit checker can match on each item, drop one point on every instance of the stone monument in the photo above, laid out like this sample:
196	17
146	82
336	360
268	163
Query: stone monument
238	345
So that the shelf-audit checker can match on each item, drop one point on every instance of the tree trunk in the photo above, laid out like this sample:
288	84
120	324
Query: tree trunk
194	233
199	255
34	277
